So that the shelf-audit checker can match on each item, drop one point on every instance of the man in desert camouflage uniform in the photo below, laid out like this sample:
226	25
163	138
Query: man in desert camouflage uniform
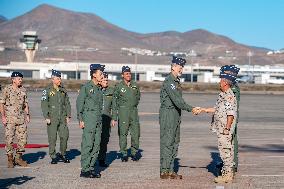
223	122
15	114
233	70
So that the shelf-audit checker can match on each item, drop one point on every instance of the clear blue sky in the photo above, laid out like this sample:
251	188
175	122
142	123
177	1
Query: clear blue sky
252	22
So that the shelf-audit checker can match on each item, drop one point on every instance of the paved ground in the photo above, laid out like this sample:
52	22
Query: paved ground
261	136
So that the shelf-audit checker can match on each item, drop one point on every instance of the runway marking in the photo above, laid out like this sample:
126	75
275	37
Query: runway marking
275	156
148	113
262	175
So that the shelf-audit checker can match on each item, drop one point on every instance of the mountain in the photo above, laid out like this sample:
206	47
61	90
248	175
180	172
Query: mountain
3	19
62	29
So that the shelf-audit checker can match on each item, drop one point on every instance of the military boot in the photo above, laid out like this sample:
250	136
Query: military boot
227	178
174	175
20	161
164	175
10	160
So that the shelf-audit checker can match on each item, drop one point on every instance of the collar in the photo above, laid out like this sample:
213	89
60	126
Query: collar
131	83
176	79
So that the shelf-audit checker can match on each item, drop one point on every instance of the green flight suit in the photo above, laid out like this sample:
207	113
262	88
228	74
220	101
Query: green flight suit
55	105
106	119
236	91
170	117
124	105
89	110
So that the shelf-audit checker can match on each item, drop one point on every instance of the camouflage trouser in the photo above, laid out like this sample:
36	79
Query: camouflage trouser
226	150
21	133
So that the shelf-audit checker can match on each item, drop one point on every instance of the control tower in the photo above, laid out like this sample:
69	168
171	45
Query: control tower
29	43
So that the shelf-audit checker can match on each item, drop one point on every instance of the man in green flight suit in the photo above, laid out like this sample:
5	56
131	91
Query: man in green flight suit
170	117
233	70
106	119
56	110
89	113
125	100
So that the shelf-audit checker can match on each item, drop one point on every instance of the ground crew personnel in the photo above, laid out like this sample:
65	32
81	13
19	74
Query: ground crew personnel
14	109
106	119
56	110
223	122
170	117
125	100
89	113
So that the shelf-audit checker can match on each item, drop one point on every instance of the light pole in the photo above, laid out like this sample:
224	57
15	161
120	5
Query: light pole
250	54
136	60
191	54
76	64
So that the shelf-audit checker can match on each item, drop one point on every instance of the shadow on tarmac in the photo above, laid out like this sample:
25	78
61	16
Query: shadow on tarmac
211	167
73	153
17	181
34	157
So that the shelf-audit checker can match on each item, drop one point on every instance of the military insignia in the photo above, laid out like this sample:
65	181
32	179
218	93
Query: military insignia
52	93
123	90
173	86
230	98
43	98
92	91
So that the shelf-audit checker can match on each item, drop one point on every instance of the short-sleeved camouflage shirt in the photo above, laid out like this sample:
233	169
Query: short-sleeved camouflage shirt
14	101
226	105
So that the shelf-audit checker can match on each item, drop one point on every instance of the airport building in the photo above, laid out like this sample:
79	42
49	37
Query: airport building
144	72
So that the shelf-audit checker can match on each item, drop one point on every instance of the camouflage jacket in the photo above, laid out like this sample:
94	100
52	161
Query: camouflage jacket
15	102
226	105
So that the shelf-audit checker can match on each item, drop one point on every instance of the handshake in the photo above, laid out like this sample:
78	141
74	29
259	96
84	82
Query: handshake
198	110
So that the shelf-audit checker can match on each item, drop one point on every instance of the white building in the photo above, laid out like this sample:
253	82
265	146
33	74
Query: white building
144	72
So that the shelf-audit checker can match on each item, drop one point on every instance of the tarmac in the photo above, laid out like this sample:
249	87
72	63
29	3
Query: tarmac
261	149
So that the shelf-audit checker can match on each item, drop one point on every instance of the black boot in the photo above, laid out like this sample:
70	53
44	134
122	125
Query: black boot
135	157
64	158
86	174
53	161
95	175
124	159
